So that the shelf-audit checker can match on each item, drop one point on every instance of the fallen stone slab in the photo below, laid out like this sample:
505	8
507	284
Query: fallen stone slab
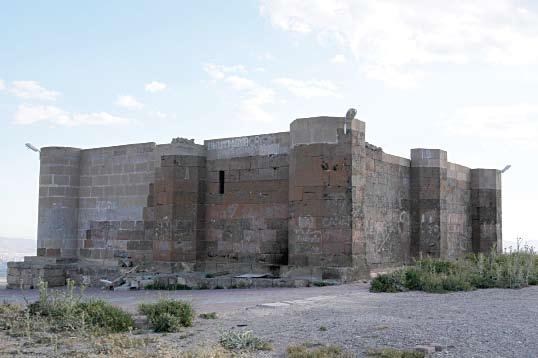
254	275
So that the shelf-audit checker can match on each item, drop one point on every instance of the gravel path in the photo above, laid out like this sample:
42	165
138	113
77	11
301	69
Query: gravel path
482	323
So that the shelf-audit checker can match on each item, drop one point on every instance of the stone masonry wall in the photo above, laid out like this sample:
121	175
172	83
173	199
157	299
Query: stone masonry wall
324	223
174	217
320	206
486	210
114	186
458	212
387	209
428	201
58	202
318	197
246	203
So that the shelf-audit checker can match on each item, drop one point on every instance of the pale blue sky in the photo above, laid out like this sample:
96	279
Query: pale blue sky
461	76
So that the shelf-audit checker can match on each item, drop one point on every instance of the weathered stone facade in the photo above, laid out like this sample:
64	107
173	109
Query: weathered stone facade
314	201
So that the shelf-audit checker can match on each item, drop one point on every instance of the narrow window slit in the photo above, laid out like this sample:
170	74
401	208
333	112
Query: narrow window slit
221	182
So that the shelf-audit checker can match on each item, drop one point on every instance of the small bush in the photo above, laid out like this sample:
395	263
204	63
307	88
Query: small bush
168	315
301	351
387	283
323	328
103	315
210	315
166	322
244	341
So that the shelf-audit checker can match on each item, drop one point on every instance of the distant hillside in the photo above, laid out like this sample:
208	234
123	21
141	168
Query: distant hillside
16	245
14	250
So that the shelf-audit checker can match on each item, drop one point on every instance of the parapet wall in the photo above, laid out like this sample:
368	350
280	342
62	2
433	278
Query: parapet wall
318	197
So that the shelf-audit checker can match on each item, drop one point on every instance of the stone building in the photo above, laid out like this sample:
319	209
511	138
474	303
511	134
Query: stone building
314	201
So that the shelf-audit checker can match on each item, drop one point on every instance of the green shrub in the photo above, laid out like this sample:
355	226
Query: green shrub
413	279
514	269
166	322
168	315
435	266
387	283
103	315
244	341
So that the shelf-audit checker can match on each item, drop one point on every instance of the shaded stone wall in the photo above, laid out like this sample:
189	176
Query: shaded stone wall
428	201
387	207
174	217
58	202
320	205
486	210
321	190
246	203
458	212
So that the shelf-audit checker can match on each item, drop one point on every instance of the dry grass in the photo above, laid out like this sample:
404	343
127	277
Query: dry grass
209	315
303	351
394	353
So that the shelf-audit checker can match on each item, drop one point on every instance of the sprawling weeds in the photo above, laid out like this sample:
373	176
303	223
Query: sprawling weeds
168	315
64	312
244	341
513	269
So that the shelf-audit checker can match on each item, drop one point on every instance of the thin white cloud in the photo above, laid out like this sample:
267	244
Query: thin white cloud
267	56
308	89
128	102
339	59
162	115
218	72
28	114
155	86
252	106
240	83
392	40
2	85
254	97
508	123
32	90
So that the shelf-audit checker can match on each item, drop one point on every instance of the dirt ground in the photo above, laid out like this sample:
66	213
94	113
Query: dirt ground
482	323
